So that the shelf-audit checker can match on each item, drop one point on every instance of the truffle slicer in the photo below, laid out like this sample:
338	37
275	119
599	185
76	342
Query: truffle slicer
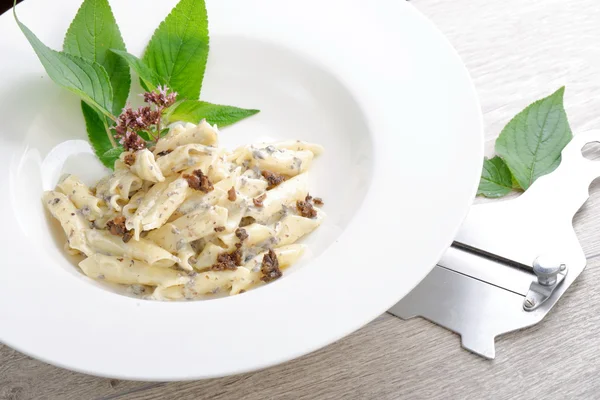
511	260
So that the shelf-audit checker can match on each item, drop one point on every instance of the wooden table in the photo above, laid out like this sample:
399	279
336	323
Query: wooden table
517	51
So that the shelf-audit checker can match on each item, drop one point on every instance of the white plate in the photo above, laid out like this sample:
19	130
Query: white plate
374	82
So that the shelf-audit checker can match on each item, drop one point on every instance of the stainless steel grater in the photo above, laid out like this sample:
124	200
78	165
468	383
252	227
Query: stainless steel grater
511	260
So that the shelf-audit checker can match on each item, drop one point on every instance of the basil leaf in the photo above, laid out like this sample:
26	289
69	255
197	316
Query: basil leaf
532	141
111	156
87	79
195	110
148	78
96	125
496	179
178	49
92	33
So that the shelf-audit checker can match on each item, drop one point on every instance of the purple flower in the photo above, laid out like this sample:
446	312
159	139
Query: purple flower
131	122
132	141
161	97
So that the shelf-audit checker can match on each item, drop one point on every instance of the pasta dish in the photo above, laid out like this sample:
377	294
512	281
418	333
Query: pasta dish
188	218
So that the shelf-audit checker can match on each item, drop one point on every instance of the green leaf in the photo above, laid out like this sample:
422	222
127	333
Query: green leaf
145	135
194	110
496	179
87	79
148	78
515	184
178	49
92	33
532	141
96	126
111	156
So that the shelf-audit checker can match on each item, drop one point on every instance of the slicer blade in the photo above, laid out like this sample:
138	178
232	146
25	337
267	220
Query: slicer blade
475	310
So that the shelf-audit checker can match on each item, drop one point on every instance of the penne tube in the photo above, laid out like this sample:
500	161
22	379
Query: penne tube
185	253
286	256
174	235
73	224
286	194
144	165
127	271
278	160
81	196
143	250
298	145
157	206
210	282
207	257
184	157
117	188
181	135
293	227
257	234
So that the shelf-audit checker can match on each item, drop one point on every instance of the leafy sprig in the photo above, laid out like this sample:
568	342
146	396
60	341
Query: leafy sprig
528	147
95	65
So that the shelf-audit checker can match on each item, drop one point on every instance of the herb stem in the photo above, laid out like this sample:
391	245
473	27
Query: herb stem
104	111
109	134
158	126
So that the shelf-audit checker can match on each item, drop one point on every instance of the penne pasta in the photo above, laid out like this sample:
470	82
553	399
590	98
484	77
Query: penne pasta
174	235
73	224
278	160
257	234
293	227
207	257
286	256
103	242
298	145
144	165
157	206
117	188
127	271
286	194
81	196
181	135
183	157
185	253
210	282
187	219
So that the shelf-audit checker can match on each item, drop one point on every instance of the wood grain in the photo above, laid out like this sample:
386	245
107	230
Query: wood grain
516	51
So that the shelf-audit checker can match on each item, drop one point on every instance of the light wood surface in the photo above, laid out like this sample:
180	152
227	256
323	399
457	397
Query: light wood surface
516	51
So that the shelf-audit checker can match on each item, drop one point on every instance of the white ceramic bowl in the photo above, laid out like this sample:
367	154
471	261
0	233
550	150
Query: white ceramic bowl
374	82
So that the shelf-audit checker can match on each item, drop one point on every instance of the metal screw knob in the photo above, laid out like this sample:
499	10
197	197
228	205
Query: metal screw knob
546	269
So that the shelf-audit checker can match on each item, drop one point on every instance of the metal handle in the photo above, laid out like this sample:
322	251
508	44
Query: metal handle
550	273
547	268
